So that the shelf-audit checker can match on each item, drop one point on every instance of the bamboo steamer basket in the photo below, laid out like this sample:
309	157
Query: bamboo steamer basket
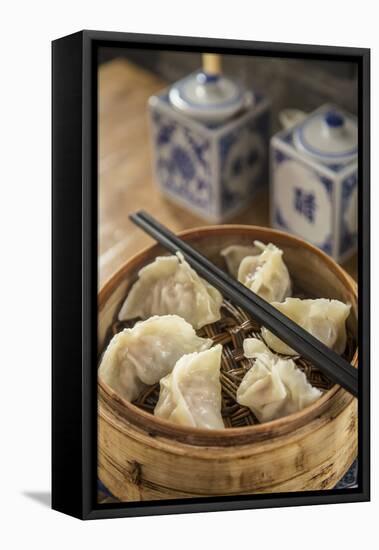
141	457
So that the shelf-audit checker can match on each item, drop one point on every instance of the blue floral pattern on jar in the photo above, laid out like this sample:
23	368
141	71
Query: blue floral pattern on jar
349	214
213	170
243	161
182	161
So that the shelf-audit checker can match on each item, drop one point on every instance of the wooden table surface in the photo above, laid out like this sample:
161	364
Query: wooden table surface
125	170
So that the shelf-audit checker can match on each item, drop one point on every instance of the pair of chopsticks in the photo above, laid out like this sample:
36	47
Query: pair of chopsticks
332	365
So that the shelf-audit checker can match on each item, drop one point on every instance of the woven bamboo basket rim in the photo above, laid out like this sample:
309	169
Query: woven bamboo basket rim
155	426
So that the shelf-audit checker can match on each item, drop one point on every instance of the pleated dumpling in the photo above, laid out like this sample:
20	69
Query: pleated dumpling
142	355
191	394
234	255
262	270
274	387
170	286
324	319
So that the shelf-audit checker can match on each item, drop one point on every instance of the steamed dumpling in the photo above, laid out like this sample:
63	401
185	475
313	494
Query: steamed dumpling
273	387
191	394
264	272
324	319
142	355
170	286
234	255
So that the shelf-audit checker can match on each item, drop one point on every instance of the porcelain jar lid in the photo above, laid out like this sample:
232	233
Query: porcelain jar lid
328	136
208	97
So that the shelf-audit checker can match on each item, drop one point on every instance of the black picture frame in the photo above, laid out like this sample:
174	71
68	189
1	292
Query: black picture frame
74	272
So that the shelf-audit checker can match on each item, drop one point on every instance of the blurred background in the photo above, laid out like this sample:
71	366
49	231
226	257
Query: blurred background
128	77
302	84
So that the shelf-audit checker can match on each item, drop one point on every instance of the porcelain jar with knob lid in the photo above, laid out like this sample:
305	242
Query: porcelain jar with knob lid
210	144
314	180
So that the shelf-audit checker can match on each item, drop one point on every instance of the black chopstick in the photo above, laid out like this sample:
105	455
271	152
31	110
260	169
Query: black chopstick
330	363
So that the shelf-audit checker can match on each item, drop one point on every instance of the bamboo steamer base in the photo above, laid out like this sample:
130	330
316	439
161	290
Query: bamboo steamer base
141	457
311	458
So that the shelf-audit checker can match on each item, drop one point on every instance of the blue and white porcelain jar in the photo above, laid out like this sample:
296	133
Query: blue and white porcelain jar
210	144
314	184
